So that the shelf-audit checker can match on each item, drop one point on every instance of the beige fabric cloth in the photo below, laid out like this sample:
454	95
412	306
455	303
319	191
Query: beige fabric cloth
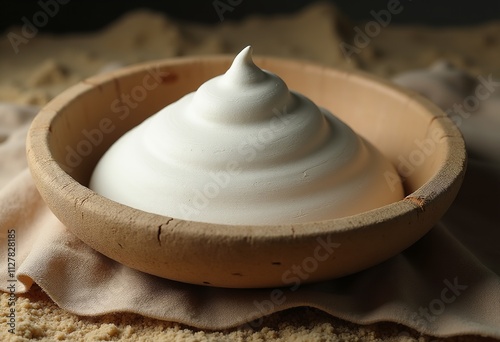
448	283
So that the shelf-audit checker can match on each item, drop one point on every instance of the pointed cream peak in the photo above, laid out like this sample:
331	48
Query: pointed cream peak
245	56
243	69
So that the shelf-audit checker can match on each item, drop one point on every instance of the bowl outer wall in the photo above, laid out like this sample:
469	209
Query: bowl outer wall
245	256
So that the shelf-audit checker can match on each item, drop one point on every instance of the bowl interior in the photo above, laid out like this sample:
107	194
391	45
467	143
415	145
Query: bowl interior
85	127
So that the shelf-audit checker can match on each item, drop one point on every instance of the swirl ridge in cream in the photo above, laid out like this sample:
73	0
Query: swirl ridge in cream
244	149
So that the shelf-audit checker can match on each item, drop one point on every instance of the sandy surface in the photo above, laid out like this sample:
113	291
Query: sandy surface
47	65
40	319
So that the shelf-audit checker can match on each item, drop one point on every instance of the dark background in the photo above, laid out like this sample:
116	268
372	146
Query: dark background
80	15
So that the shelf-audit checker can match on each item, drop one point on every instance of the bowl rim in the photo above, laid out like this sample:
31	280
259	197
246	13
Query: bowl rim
48	173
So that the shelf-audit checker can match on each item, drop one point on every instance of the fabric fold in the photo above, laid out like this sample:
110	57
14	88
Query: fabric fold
438	286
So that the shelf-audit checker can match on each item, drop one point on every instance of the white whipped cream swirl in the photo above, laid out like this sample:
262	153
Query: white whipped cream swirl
244	149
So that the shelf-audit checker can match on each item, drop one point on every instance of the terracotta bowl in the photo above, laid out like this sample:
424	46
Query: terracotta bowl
72	132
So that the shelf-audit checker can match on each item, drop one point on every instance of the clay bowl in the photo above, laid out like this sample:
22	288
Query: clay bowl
72	132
